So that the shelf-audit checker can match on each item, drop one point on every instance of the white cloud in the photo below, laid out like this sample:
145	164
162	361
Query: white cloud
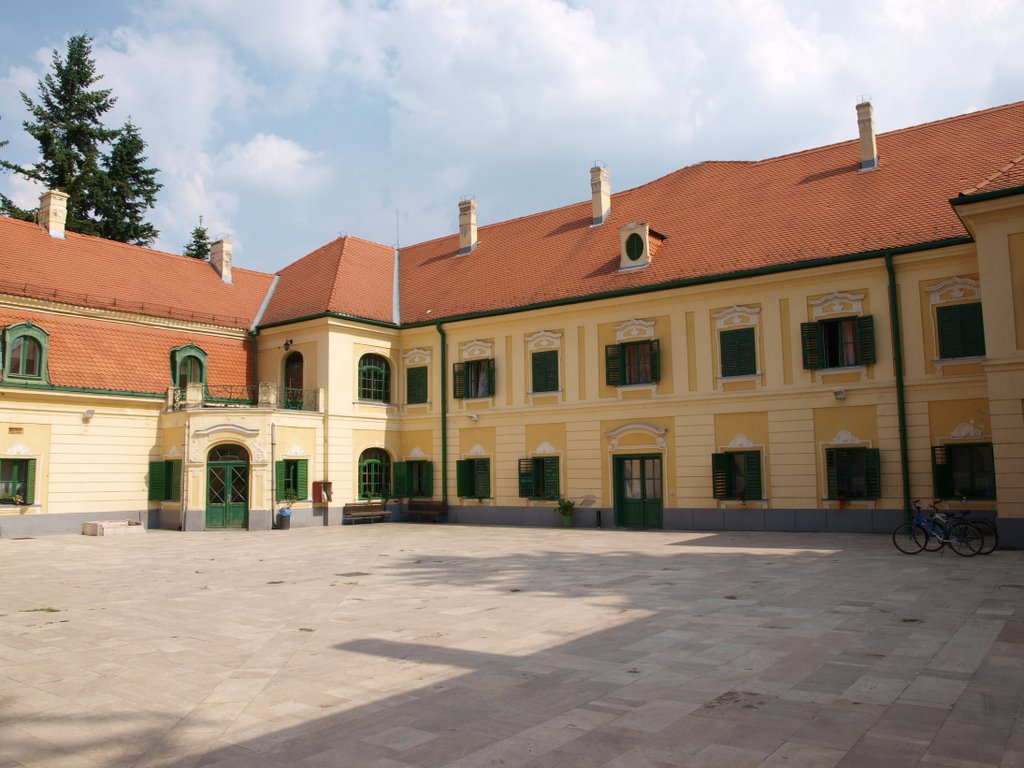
273	164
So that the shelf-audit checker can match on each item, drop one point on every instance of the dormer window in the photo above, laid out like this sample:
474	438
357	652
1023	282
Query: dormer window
638	242
188	366
25	353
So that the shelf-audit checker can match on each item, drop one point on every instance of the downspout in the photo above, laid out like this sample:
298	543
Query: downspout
901	399
184	475
255	362
273	473
444	413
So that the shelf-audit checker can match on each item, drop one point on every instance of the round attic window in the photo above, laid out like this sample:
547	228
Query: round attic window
634	247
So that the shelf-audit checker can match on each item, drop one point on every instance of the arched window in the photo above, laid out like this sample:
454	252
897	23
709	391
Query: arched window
374	379
25	353
374	474
293	395
188	366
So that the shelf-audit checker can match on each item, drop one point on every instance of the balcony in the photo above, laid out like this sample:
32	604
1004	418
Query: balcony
264	395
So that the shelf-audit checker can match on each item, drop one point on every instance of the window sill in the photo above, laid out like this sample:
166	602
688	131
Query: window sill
378	403
489	399
651	387
743	377
748	504
939	362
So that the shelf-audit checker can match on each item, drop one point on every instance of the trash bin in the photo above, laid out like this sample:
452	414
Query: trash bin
284	520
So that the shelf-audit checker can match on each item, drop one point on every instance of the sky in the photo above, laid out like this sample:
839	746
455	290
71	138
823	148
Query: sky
287	124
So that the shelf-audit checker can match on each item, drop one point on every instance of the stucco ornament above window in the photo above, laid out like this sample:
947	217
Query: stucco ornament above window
658	433
955	289
544	340
416	453
965	431
740	441
635	329
544	448
416	357
18	449
477	349
477	450
736	317
838	304
846	437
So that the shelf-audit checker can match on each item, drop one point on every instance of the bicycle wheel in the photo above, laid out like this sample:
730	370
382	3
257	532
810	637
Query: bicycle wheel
965	539
989	533
909	538
934	542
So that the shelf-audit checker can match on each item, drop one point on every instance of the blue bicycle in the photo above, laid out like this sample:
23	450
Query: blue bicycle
935	531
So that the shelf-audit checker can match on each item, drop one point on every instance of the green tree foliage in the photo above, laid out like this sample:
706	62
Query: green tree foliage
108	192
199	246
7	206
127	190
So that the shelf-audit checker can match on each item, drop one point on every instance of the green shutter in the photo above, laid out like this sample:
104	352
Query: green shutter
464	477
866	340
738	352
612	364
280	480
30	481
811	344
545	371
961	331
302	479
728	343
873	472
157	479
490	376
942	473
551	477
655	360
427	469
402	471
720	475
831	457
174	481
482	478
459	381
747	352
526	485
752	475
416	385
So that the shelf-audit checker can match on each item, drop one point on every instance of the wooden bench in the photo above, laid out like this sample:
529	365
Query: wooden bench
365	510
427	508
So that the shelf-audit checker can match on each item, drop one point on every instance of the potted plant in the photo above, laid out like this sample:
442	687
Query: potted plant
565	508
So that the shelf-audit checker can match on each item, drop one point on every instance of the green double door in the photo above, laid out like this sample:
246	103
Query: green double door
227	487
638	491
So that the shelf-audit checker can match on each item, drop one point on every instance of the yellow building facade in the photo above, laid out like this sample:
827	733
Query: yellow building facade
805	343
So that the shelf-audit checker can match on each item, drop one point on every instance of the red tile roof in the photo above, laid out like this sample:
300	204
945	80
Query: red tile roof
1009	176
724	217
93	272
347	276
111	355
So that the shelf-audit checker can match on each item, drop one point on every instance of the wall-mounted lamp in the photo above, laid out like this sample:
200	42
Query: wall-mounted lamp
474	417
288	344
88	414
839	394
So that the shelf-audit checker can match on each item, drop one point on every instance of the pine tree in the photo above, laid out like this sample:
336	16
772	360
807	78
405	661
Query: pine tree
128	191
199	246
108	194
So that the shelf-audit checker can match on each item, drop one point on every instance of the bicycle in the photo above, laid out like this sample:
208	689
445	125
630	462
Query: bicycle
912	536
938	518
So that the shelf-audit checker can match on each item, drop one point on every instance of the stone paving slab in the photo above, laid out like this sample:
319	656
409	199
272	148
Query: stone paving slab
441	646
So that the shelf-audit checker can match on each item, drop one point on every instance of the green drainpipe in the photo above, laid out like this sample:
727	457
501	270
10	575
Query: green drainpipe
444	413
901	399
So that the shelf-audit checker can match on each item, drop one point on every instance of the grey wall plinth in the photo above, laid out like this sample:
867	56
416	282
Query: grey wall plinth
12	526
195	520
259	520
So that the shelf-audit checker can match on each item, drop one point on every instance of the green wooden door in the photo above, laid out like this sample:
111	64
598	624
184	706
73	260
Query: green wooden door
638	492
227	494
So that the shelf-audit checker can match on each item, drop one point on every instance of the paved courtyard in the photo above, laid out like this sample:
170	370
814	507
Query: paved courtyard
415	646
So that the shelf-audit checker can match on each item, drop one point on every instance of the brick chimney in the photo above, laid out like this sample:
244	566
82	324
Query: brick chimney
602	195
220	258
53	212
467	226
866	125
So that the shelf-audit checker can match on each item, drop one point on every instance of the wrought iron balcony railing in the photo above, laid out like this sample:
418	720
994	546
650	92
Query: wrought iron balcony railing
265	395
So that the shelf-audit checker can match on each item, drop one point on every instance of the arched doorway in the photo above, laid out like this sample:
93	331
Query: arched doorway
293	375
227	487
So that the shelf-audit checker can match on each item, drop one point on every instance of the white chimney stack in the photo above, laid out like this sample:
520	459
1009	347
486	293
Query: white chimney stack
220	258
467	226
866	125
602	195
53	212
